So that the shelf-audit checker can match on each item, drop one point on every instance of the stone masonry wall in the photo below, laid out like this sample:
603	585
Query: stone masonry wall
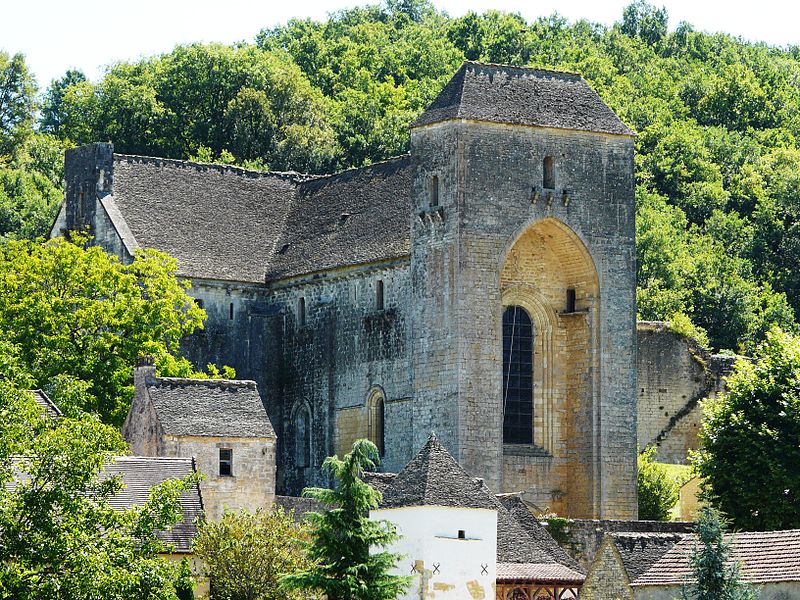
674	374
489	176
607	579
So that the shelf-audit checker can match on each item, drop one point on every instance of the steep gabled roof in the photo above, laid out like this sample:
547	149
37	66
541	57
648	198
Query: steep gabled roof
50	409
522	96
764	556
219	222
434	478
355	217
209	407
140	473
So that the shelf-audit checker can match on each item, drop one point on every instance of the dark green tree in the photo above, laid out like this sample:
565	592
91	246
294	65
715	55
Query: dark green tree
342	536
750	439
645	21
715	576
17	102
59	533
52	114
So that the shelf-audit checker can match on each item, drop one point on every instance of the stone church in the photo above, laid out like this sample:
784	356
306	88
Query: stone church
481	286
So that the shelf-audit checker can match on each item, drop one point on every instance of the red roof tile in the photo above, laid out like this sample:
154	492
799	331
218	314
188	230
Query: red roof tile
537	573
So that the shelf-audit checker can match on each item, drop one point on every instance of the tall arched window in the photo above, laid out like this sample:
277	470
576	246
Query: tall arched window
517	376
377	415
302	436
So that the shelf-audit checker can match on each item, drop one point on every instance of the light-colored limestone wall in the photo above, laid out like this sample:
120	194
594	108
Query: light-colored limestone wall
788	590
674	375
447	568
252	485
491	178
606	579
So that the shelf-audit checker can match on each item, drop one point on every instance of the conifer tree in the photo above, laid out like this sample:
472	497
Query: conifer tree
715	576
341	537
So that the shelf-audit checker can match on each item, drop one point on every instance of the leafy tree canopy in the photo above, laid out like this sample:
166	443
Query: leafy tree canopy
246	555
75	316
658	492
750	439
342	536
60	536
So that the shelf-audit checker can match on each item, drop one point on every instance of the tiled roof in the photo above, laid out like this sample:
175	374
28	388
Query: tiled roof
538	573
522	96
434	478
765	557
209	407
354	217
379	481
219	222
540	537
639	551
46	404
140	474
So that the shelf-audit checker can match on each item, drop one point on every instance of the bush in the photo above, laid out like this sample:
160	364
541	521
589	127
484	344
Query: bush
658	492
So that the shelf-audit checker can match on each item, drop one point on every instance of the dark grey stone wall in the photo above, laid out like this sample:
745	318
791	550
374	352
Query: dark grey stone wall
89	174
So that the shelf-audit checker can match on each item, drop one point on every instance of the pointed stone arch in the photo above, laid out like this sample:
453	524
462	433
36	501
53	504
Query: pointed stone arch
548	270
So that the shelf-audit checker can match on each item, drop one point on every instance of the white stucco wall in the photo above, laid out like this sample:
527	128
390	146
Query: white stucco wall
430	538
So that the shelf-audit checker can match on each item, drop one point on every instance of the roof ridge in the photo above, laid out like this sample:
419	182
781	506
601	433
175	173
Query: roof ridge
523	68
151	458
350	170
293	176
236	383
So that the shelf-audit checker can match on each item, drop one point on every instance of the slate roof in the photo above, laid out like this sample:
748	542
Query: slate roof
522	96
639	551
219	222
209	407
299	506
540	573
354	217
379	481
140	473
765	557
540	536
434	478
50	409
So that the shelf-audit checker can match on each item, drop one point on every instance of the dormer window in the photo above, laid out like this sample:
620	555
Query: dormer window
226	462
548	173
434	191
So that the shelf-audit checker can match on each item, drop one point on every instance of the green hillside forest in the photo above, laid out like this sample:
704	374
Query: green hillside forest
717	118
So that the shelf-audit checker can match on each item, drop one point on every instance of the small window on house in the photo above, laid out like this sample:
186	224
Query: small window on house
549	173
225	462
435	190
571	300
199	302
462	535
379	294
230	312
301	312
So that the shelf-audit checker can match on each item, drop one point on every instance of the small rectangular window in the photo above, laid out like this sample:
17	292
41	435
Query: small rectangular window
570	300
301	312
225	462
549	173
462	535
435	191
379	294
230	312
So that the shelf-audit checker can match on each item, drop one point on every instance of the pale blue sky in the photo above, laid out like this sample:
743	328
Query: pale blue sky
59	34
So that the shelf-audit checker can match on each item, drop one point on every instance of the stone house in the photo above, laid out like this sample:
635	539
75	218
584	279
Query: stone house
657	567
460	541
482	286
220	424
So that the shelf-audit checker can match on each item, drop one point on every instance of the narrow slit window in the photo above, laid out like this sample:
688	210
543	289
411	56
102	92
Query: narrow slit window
301	312
379	294
80	205
571	300
226	462
435	190
548	173
302	437
230	312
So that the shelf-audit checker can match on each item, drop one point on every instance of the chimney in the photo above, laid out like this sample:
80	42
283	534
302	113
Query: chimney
144	370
